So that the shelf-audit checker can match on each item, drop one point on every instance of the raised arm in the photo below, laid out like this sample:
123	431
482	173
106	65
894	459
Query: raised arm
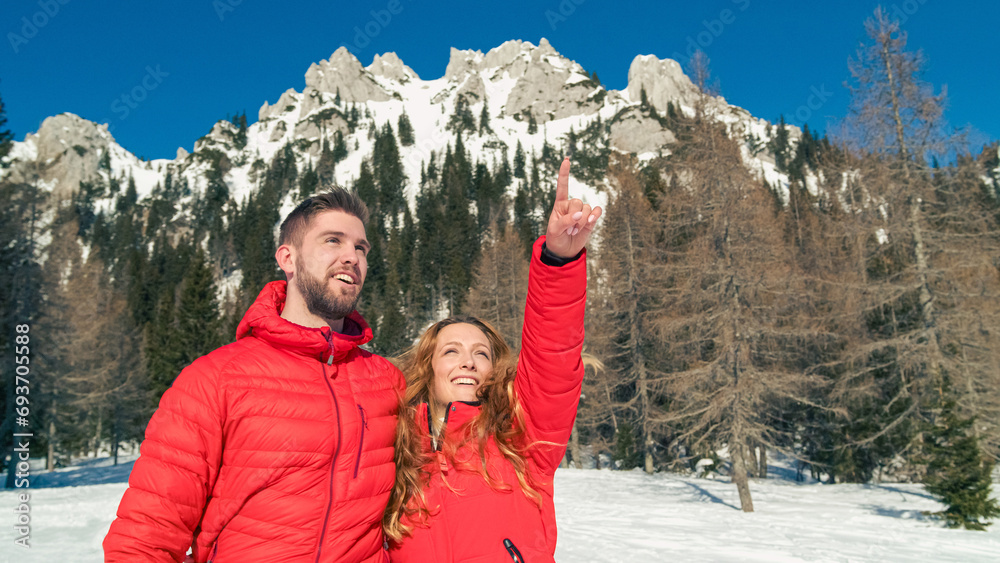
550	372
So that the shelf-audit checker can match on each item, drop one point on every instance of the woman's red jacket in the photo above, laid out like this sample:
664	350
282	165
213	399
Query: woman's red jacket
471	522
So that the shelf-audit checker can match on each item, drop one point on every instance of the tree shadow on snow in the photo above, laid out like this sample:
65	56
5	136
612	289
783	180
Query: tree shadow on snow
85	472
904	492
702	492
892	512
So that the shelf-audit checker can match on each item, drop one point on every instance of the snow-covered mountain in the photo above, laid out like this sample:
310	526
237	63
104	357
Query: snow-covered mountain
513	80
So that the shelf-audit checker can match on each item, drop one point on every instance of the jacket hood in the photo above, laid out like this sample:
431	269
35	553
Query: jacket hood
263	320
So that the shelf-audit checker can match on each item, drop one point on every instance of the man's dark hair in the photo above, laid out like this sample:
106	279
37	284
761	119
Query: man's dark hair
334	199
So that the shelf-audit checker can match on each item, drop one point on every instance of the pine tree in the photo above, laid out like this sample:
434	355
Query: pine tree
240	121
958	472
488	195
672	116
308	183
502	174
916	241
339	146
21	207
462	119
426	272
197	318
522	217
367	189
393	334
779	145
627	454
390	178
405	129
484	120
460	235
161	208
6	137
519	161
163	361
253	232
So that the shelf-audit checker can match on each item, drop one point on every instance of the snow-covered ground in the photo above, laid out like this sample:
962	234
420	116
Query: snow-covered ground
603	516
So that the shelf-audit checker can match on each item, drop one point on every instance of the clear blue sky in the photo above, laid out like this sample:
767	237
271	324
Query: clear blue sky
769	57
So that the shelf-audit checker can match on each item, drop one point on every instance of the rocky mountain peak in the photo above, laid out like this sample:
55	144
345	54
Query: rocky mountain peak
462	62
65	130
553	87
68	150
663	80
221	136
390	66
514	57
343	59
507	53
519	81
343	72
287	102
545	48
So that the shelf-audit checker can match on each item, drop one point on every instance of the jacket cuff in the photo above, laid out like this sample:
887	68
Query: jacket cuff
550	259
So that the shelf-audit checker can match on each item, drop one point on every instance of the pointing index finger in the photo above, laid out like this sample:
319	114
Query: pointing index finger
562	185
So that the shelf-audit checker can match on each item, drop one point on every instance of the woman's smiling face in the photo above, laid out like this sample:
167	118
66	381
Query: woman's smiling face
462	361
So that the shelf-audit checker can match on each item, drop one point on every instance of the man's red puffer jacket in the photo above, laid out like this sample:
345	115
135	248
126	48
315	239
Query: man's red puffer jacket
277	447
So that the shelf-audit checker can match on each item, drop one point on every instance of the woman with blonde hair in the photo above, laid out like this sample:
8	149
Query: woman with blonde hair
481	435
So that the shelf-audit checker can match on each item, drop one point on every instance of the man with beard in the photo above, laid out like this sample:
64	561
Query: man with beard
279	446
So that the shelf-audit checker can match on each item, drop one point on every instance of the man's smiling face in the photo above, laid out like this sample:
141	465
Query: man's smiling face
331	263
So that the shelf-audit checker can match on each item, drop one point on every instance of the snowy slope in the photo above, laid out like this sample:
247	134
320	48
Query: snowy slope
606	516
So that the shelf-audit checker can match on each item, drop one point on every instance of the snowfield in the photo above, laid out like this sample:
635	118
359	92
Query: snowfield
603	516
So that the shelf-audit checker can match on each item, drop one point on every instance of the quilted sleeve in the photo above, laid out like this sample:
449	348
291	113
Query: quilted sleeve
176	470
550	371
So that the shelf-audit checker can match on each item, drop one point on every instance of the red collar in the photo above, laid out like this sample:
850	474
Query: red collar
263	320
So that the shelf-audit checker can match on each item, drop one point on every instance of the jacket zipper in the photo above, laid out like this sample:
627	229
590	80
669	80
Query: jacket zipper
513	551
364	426
336	451
438	442
430	427
444	424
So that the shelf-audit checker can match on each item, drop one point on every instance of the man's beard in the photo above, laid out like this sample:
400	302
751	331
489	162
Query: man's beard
319	297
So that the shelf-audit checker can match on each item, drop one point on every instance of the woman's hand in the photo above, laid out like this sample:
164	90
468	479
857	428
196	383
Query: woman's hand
571	221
